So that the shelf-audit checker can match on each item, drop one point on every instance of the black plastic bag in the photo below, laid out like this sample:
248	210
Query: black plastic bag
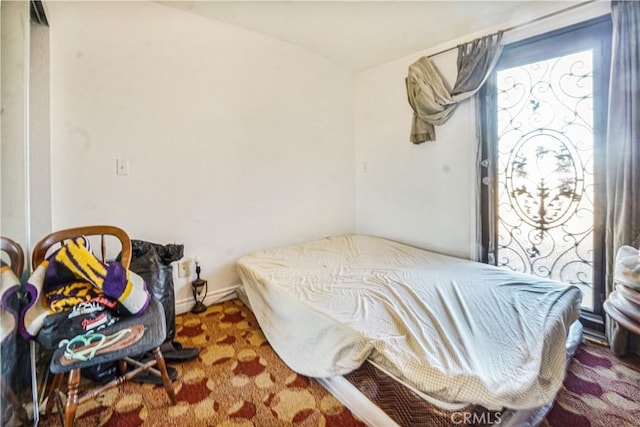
152	262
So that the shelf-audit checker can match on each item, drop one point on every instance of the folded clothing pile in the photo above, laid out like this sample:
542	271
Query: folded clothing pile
627	269
72	275
9	287
623	304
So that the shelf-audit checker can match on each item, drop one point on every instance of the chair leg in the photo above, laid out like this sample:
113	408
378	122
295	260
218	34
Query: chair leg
56	383
166	381
8	394
72	398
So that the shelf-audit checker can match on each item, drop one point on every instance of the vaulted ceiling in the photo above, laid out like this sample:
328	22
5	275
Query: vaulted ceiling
362	34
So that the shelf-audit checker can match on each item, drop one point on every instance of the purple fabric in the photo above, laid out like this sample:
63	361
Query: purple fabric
59	285
115	281
8	293
115	284
68	279
32	294
57	274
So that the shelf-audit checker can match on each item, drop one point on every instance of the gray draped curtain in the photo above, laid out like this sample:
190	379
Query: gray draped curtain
623	150
429	97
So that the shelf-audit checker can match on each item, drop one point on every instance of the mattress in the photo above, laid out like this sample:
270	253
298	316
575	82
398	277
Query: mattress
407	407
457	330
402	405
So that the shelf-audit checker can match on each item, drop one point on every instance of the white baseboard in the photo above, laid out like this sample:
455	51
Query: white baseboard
213	297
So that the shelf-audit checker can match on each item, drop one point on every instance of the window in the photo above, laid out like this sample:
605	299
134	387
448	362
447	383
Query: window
543	196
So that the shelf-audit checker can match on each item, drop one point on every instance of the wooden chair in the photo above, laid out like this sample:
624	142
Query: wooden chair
15	254
16	261
153	320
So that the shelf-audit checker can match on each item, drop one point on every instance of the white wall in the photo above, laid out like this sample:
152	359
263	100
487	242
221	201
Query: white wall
424	194
39	134
235	141
419	194
14	132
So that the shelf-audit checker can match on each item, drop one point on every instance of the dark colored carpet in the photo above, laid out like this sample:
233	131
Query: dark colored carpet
600	390
238	380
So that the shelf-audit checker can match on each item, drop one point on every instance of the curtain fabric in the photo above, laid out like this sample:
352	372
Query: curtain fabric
623	150
429	97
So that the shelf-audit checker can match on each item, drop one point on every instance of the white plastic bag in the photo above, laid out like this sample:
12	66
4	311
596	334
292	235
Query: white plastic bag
627	271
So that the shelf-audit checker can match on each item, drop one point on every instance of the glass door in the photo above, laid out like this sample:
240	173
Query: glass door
543	151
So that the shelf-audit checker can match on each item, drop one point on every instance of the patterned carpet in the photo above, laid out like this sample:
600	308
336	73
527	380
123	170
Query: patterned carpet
599	390
240	381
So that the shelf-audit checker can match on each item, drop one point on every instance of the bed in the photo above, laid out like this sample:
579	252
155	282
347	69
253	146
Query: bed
458	331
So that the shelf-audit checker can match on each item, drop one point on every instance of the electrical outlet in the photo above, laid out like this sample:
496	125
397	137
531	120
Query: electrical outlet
183	268
122	167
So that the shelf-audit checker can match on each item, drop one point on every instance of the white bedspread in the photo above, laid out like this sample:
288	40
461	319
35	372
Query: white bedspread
458	330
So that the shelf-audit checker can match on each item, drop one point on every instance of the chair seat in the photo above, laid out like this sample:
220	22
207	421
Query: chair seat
153	320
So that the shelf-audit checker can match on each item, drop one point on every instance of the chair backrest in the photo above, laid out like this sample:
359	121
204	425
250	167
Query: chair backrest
14	251
59	237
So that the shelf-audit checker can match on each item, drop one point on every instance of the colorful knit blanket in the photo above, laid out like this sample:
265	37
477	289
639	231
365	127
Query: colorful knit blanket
72	275
9	285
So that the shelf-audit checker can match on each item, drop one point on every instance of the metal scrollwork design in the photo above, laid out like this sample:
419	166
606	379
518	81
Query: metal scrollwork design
545	168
